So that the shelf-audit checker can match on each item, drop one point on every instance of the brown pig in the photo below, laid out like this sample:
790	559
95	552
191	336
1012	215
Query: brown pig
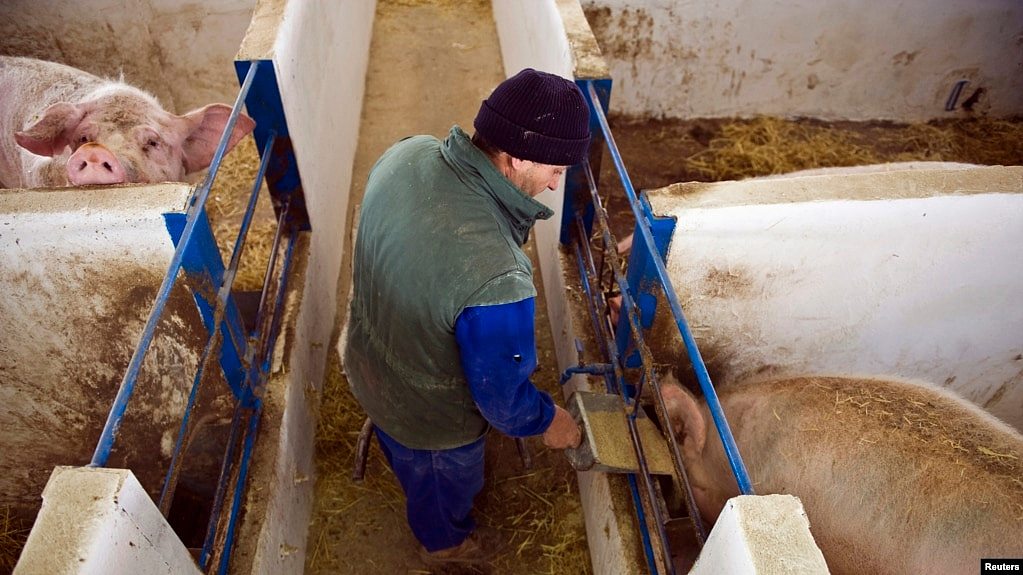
61	126
895	476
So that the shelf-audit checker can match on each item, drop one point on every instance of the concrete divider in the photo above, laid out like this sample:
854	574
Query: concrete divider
761	534
554	36
911	273
80	272
100	521
320	54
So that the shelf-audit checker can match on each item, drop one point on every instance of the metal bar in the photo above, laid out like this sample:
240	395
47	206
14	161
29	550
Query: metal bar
261	311
203	191
362	450
243	471
953	97
127	387
170	481
254	361
250	210
644	473
218	497
275	320
617	386
699	367
637	501
259	372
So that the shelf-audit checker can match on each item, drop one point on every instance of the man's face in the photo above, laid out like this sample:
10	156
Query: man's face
533	178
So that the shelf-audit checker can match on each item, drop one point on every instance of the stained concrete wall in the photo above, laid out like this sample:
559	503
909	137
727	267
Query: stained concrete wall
913	274
320	53
179	51
97	521
80	273
854	60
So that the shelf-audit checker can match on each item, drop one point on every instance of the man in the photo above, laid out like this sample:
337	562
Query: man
441	335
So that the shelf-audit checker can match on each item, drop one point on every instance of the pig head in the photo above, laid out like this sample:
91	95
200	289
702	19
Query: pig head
895	476
62	126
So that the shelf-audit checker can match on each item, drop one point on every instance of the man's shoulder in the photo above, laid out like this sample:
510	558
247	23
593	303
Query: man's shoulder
414	143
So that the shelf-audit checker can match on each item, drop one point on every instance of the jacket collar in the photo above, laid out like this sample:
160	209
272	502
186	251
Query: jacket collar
479	173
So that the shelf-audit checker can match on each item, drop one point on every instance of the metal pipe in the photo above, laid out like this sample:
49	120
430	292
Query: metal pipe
243	471
699	367
282	288
591	369
362	450
127	387
254	372
586	269
170	481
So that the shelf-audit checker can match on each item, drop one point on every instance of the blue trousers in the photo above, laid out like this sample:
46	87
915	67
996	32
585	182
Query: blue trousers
439	489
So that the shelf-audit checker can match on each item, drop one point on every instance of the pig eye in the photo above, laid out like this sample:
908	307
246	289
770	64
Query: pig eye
83	140
151	143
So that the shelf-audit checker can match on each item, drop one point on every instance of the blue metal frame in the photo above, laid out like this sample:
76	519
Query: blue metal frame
577	200
265	106
195	253
646	274
643	289
245	358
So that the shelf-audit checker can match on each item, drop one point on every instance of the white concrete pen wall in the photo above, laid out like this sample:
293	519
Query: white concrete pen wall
320	53
856	60
912	274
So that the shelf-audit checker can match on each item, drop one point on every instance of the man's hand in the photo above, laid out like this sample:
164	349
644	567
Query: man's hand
563	431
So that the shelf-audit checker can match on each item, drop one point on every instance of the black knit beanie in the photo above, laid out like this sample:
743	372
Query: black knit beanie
537	116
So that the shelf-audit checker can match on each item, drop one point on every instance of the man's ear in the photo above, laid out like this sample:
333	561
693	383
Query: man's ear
516	163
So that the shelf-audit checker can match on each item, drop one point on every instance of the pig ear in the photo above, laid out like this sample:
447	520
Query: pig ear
207	124
51	133
686	417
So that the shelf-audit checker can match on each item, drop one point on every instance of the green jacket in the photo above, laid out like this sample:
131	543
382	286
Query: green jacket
440	230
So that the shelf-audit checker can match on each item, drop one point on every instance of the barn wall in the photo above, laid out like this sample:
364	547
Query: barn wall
181	52
835	59
320	57
910	274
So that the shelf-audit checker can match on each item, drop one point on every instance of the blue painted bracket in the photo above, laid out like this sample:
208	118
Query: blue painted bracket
643	280
263	104
205	271
577	189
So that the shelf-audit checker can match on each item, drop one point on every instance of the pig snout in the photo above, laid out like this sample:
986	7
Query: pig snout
93	163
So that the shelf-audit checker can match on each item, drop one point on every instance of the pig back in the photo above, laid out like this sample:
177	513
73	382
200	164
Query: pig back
895	476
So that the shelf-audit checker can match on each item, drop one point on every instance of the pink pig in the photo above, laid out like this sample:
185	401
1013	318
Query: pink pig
60	126
895	476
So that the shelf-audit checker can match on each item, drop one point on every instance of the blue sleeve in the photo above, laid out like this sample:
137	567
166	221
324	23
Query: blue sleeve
498	353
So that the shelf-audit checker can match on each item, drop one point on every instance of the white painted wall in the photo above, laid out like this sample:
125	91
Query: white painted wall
533	35
98	521
834	59
914	274
763	534
320	53
79	273
180	51
552	35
